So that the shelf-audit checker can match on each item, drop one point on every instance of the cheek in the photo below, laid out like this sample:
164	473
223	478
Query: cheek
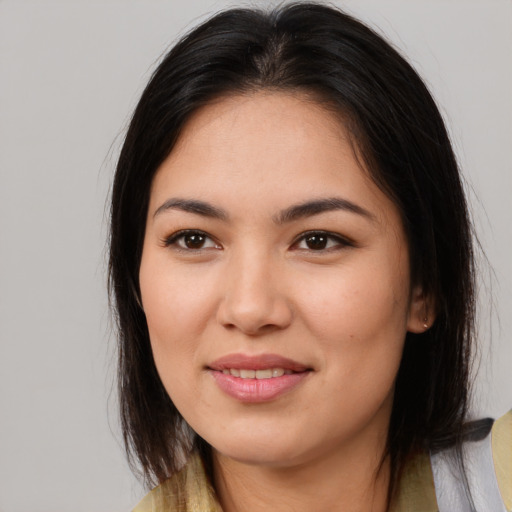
354	304
176	300
179	305
359	320
171	314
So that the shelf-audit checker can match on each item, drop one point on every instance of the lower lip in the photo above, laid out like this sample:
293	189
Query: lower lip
257	390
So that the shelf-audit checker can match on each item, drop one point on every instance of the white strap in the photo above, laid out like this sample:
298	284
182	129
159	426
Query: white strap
481	477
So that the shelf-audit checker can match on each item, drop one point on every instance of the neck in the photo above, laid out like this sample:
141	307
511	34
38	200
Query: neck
348	480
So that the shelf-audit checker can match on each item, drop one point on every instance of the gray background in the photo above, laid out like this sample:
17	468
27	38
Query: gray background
71	72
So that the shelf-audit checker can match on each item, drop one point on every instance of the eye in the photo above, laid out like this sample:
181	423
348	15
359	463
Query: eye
320	241
192	240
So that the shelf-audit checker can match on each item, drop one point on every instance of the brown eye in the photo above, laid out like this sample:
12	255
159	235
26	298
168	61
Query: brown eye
191	240
316	242
194	241
321	241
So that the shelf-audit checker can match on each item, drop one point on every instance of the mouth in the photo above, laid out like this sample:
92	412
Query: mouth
262	362
270	373
253	379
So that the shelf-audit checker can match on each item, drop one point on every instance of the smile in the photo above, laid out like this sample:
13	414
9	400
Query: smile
257	379
270	373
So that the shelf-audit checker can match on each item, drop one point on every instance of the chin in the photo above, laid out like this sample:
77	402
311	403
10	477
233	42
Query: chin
275	451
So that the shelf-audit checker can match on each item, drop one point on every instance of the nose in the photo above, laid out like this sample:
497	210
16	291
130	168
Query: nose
254	301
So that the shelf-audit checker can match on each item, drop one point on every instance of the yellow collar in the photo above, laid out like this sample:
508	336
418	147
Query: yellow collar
190	491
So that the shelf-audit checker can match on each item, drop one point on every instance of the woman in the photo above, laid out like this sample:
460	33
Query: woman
292	269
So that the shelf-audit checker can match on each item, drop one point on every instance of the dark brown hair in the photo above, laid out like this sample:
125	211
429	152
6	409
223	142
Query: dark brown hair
398	130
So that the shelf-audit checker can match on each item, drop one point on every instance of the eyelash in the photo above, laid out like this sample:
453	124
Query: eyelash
340	242
175	238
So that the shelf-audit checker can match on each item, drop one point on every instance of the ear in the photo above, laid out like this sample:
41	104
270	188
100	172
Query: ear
421	311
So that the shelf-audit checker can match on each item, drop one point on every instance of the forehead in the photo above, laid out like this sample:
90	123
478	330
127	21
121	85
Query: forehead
269	119
265	149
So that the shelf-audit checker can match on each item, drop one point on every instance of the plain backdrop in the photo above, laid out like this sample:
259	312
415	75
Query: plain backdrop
70	74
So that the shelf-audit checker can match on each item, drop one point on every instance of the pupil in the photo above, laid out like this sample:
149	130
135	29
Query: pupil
316	242
194	241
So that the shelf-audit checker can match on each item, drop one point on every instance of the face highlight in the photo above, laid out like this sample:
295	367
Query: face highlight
275	282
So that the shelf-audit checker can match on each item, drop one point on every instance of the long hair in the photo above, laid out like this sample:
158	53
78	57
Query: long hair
398	130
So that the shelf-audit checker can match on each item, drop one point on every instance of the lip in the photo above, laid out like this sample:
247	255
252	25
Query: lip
260	362
257	390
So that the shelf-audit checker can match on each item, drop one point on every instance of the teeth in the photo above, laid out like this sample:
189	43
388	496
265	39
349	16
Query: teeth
257	374
263	374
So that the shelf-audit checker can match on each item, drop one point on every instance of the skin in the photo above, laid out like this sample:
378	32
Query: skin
255	287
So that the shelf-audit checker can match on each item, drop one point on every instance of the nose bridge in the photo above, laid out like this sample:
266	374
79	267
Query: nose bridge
254	300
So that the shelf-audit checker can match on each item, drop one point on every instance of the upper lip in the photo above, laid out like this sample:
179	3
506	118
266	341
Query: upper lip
257	362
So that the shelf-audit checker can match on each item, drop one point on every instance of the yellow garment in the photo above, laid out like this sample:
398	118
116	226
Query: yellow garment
502	456
186	491
190	491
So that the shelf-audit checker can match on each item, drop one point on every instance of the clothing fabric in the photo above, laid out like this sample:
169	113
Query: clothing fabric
431	483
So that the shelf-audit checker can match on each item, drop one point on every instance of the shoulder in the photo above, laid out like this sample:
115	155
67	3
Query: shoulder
187	491
436	483
486	475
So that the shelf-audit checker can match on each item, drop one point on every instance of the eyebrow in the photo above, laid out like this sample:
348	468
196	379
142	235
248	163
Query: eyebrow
293	213
317	206
193	206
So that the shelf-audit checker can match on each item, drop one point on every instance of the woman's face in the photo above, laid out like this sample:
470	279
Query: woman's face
275	282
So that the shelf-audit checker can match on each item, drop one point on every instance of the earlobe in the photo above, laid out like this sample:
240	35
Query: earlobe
421	312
